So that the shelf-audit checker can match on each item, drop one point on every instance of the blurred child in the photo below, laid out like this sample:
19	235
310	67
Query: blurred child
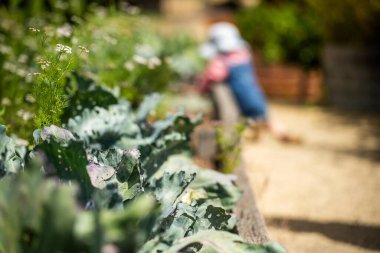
230	61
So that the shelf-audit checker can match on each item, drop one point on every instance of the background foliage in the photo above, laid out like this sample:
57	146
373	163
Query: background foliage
349	21
294	31
119	50
285	32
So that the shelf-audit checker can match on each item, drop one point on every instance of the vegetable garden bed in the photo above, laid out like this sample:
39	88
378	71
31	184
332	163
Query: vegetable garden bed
102	173
130	193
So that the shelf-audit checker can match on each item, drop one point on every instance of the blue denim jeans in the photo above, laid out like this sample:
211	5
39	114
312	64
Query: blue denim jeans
247	92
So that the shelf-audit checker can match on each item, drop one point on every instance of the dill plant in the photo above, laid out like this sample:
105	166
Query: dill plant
55	64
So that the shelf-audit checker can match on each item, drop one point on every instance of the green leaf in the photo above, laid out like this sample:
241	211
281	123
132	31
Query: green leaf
186	220
99	174
166	137
131	227
88	98
34	213
147	106
192	210
10	160
169	187
185	211
67	161
103	127
178	224
53	132
117	174
220	188
175	123
153	156
211	241
212	217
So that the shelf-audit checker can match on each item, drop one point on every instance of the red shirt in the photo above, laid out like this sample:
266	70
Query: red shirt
217	69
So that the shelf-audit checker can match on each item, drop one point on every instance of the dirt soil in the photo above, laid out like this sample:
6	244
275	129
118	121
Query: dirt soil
324	195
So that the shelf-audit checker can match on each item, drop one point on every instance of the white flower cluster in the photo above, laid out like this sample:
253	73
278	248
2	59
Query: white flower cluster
5	49
6	101
62	48
23	58
24	115
139	59
110	39
44	63
129	65
9	66
151	63
83	49
64	31
144	50
134	152
35	30
12	68
29	98
154	62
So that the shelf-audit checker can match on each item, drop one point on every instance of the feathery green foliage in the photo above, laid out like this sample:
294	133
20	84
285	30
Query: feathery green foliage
49	92
55	64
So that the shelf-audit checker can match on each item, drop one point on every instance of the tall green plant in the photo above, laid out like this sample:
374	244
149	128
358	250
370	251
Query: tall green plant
55	64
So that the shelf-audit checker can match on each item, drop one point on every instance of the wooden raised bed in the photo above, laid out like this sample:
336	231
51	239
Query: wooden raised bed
251	225
287	82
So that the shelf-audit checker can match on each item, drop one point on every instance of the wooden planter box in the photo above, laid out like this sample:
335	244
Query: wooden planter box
251	225
288	82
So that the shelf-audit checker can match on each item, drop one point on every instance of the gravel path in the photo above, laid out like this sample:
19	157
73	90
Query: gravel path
323	195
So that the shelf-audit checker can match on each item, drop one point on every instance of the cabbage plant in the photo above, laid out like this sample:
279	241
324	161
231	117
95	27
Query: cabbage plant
109	180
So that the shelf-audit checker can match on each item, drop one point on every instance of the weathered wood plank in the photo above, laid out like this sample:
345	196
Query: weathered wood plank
251	225
227	110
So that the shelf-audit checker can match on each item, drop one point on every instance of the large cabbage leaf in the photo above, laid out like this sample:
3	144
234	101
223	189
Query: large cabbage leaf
118	175
67	161
211	241
10	160
102	127
185	210
88	96
149	104
36	215
40	215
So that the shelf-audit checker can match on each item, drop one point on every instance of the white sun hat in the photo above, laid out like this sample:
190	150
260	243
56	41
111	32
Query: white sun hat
223	37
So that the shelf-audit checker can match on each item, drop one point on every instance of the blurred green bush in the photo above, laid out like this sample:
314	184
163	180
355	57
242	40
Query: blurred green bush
125	54
53	10
349	21
286	32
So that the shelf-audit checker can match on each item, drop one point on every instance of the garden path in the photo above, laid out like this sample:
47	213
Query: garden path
322	195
